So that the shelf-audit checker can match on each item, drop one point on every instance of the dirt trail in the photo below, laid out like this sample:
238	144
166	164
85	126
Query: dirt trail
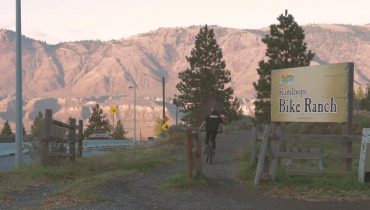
225	190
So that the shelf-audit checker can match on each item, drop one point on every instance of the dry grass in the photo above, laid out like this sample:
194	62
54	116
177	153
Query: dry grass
82	176
326	187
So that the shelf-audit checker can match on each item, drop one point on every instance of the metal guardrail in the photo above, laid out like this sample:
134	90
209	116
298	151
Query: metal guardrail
10	148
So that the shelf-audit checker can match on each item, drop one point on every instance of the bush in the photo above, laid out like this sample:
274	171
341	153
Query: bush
176	129
177	134
243	123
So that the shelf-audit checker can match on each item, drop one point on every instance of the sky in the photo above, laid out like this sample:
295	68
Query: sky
56	21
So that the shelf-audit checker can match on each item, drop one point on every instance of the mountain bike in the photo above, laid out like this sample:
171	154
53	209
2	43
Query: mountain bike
210	151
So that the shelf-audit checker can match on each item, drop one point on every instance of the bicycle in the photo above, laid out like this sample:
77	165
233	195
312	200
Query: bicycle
210	153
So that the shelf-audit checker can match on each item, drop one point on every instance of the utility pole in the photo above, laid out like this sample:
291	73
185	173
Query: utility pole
135	112
140	135
163	95
174	101
19	104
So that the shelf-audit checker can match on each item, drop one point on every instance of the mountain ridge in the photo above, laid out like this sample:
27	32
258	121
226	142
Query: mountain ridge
92	68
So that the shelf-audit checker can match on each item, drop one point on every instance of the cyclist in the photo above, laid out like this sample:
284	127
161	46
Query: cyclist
212	123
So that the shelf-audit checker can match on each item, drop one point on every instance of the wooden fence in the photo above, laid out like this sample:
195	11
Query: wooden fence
193	152
49	138
273	149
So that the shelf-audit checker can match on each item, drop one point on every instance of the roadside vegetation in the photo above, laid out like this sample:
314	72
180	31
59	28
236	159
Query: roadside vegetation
324	187
77	180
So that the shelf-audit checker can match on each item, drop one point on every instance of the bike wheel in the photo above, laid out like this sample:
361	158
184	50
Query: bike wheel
210	154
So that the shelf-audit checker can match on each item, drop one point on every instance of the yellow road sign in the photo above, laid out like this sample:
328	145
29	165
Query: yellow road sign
113	110
165	127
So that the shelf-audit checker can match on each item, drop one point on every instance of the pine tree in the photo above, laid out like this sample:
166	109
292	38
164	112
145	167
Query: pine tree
365	102
24	131
97	121
285	49
6	131
202	86
360	94
119	131
36	127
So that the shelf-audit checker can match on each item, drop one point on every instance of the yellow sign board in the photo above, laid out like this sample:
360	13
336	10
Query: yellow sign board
311	94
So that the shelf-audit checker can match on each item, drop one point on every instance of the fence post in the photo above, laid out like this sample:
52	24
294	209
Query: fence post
189	153
262	155
198	153
347	127
46	137
254	144
346	149
278	138
80	137
72	138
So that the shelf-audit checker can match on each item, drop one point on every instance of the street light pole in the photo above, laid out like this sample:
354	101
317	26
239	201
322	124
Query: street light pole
19	123
164	101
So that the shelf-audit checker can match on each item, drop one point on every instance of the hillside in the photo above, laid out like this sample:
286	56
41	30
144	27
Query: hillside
87	70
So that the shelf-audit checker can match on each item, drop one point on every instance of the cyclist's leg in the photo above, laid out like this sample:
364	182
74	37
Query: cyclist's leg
213	138
208	135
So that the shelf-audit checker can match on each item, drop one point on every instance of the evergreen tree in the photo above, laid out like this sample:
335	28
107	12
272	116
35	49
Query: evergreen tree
202	86
24	131
365	102
285	49
6	131
360	94
119	131
36	127
98	121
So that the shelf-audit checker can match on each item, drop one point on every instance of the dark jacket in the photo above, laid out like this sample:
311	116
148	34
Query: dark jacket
213	122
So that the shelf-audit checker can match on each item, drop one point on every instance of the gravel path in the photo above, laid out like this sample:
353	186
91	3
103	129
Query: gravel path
29	199
224	191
